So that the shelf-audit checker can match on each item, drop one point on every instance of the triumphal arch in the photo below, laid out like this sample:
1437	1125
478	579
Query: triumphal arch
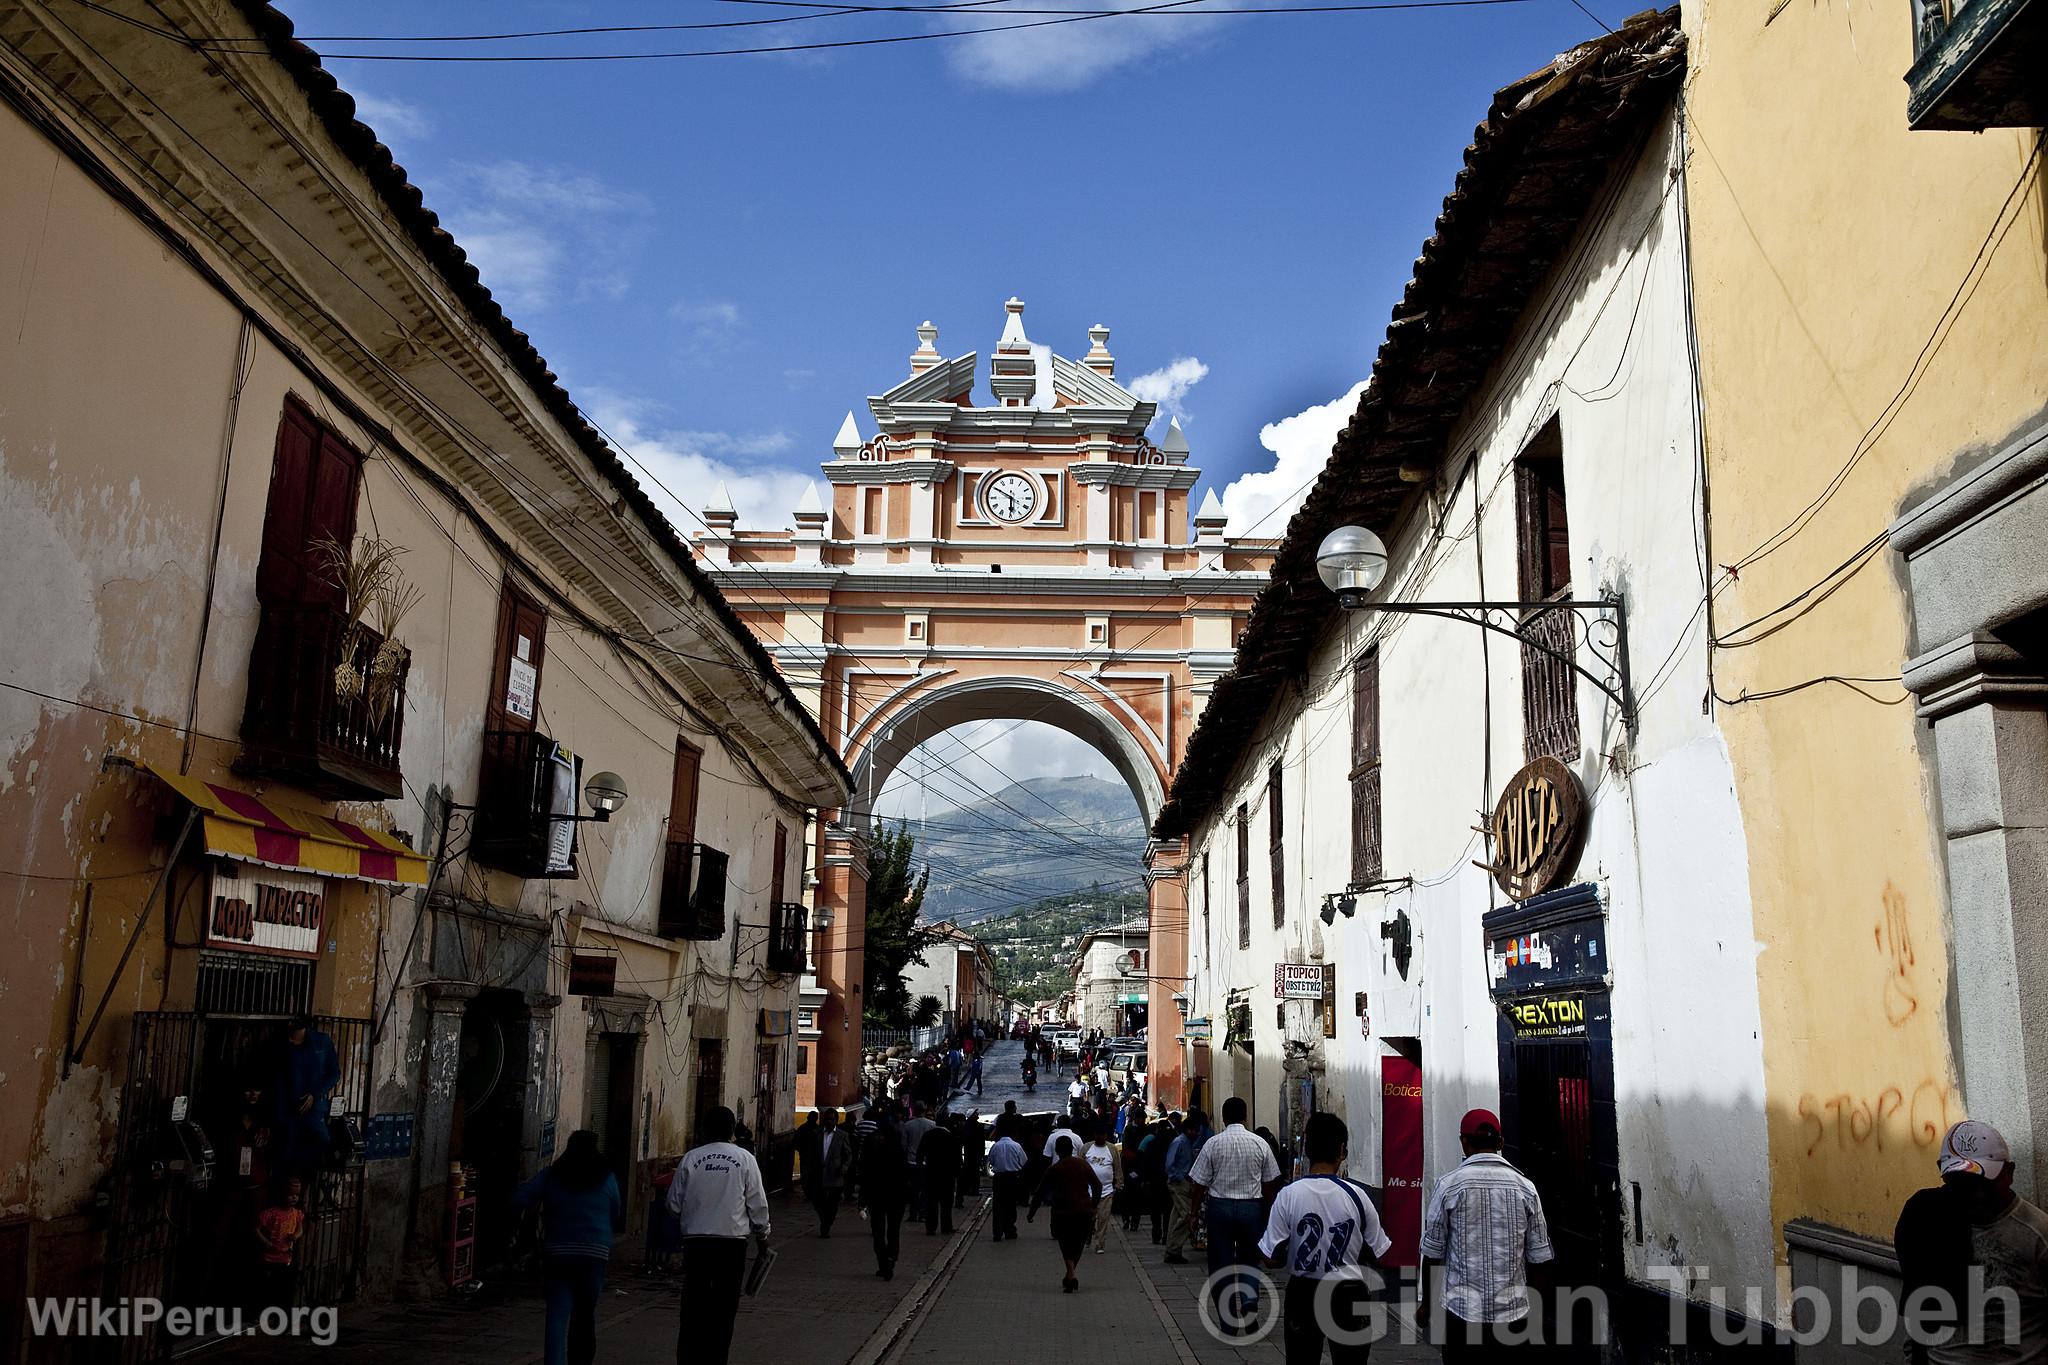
1024	552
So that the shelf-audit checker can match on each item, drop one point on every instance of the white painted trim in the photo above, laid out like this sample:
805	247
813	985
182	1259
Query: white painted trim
916	676
1093	677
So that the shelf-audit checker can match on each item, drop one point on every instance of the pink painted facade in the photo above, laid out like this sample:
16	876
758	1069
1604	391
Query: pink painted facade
1021	554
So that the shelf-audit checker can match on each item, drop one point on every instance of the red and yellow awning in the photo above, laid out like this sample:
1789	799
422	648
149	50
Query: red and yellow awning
238	825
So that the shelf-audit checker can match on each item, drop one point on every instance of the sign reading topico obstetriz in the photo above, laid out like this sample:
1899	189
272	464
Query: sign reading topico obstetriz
260	909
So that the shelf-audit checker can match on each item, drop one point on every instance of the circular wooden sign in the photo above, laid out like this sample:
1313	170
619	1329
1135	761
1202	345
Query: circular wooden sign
1537	828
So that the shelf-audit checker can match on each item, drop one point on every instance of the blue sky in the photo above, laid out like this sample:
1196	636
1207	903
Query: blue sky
722	256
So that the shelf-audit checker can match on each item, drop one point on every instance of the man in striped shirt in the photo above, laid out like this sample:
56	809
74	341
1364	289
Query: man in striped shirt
1485	1228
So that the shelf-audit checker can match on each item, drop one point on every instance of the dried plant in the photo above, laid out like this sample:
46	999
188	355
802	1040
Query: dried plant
372	586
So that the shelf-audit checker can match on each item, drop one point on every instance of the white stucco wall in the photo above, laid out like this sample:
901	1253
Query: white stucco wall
1604	349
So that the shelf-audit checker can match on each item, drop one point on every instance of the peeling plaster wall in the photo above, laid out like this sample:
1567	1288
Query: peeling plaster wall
114	405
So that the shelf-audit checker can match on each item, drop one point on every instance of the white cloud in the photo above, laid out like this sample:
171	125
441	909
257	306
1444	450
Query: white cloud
540	236
1068	56
711	327
394	120
1168	386
1260	503
690	465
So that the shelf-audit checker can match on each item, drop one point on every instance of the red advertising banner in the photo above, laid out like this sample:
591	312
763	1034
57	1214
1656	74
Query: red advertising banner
1401	1157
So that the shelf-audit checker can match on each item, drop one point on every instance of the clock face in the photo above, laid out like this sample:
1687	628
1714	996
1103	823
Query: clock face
1010	497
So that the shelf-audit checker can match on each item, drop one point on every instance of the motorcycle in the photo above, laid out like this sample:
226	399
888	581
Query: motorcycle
1030	1076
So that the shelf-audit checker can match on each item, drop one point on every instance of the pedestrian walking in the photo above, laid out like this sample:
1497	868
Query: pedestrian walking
1062	1126
974	1072
1107	1162
1006	1166
718	1195
1180	1190
1077	1096
1331	1232
1232	1178
884	1187
913	1135
1072	1190
1484	1228
1973	1228
939	1161
1152	1175
973	1153
825	1166
581	1211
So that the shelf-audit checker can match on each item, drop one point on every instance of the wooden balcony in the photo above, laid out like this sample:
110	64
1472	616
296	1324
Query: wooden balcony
527	787
692	893
788	923
297	727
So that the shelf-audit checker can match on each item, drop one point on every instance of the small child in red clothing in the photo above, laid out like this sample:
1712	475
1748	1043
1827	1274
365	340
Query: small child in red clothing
278	1230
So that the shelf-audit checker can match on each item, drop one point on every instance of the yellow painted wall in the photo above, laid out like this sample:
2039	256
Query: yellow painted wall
1828	241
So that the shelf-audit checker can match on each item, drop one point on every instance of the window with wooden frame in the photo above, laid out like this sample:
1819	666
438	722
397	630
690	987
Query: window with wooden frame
528	783
1244	876
1276	843
299	723
1550	694
515	672
1367	860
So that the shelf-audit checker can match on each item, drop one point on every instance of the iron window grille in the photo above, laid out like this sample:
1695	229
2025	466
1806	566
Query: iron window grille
526	805
787	925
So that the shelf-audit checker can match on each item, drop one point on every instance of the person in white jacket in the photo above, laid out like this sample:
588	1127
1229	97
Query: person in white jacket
718	1198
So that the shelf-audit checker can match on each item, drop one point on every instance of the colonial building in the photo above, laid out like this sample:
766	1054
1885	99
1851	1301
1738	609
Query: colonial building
349	675
1109	973
1027	558
959	972
1466	837
1868	266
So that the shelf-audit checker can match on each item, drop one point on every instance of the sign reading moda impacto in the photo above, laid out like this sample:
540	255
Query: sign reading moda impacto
1297	981
260	909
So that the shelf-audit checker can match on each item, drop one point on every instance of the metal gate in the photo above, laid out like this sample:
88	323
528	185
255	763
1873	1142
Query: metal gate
177	1232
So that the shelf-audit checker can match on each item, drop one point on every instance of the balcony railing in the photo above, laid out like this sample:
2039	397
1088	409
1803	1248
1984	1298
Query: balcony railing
1977	64
525	796
301	725
692	893
788	923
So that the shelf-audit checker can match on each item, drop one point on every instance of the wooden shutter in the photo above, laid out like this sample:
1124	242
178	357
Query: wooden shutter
682	800
1276	851
1366	858
775	878
315	481
1244	877
522	642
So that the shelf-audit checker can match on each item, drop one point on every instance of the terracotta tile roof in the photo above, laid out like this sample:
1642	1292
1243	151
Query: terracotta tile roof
1547	145
337	112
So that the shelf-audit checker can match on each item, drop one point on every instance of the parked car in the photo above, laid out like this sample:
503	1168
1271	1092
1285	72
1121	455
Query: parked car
1127	1070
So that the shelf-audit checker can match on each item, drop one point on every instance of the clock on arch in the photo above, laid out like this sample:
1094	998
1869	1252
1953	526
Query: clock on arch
1011	497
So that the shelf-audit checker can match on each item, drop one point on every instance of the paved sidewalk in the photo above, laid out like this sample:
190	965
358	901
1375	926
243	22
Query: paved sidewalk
819	1306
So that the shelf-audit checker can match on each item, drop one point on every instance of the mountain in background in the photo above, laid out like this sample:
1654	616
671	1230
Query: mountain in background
1034	947
1030	840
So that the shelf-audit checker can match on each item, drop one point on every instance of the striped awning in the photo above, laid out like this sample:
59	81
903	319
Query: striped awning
238	825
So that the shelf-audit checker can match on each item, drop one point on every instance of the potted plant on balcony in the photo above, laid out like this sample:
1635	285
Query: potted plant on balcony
376	597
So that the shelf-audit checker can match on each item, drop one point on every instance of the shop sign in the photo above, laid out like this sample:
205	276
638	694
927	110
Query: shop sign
1536	829
259	909
1297	981
593	973
1195	1028
1547	1016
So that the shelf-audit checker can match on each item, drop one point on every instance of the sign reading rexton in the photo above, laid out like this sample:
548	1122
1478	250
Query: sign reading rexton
1297	981
263	910
1547	1016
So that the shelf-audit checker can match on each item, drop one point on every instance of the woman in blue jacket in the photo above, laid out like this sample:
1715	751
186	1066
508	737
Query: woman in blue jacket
580	1211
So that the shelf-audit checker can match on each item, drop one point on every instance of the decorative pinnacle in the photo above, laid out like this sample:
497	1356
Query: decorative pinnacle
1013	337
847	443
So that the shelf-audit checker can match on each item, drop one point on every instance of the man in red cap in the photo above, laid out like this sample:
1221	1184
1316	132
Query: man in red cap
1485	1228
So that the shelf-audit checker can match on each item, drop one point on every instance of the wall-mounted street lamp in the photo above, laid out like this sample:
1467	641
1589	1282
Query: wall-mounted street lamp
1352	562
604	793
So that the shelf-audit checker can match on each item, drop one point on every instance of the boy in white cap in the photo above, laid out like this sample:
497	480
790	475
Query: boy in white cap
1974	1258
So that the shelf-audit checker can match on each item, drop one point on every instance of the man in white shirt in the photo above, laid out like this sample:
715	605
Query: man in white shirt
1077	1094
1006	1163
1062	1127
1332	1232
1232	1178
718	1198
1485	1227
